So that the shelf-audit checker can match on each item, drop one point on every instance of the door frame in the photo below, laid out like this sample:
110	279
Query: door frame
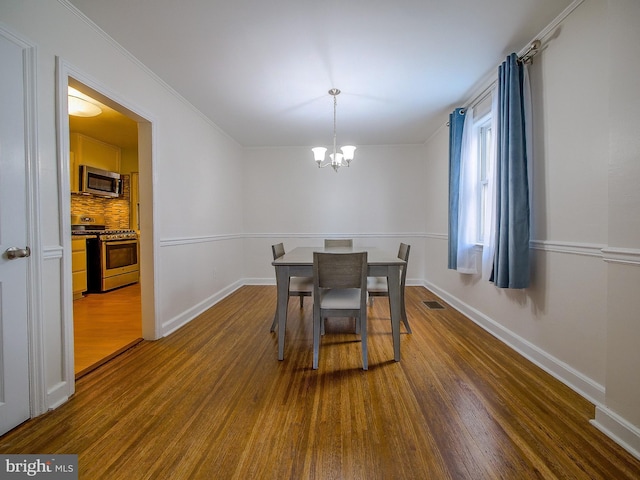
148	247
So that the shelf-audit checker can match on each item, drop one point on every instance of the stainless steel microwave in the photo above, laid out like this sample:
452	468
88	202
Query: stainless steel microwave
99	182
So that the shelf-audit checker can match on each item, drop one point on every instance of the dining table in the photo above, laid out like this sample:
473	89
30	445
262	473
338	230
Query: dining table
299	263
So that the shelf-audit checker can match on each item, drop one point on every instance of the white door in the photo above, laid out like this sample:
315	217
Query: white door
14	353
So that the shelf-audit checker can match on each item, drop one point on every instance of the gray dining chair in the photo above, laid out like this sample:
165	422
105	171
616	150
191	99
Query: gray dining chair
378	286
298	286
340	290
338	242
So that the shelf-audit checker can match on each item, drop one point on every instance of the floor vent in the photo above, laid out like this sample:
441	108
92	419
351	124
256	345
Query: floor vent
433	305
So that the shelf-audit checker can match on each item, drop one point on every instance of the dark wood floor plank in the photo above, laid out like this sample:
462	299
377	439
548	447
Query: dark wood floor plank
212	401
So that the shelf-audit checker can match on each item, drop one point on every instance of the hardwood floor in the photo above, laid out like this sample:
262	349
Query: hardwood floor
104	325
212	401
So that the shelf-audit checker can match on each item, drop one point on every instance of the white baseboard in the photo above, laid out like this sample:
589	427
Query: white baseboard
575	380
185	317
608	422
57	395
618	429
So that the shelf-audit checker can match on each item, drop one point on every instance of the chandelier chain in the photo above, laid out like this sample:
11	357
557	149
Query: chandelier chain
335	106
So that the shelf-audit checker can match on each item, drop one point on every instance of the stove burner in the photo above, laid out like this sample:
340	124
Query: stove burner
95	225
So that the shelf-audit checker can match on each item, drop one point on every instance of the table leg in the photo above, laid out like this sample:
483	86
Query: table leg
282	280
393	283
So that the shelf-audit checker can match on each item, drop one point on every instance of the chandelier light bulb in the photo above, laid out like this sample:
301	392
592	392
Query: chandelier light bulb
348	151
318	153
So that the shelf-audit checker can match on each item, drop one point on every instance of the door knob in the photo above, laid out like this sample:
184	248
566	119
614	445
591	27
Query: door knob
15	252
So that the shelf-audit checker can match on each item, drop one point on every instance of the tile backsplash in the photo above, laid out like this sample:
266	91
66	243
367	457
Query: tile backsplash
116	211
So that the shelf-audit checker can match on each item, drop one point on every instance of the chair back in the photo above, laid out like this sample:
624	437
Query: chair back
403	254
278	250
340	270
338	242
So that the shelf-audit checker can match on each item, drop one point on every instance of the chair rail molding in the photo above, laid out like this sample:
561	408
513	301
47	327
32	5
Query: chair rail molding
171	242
628	256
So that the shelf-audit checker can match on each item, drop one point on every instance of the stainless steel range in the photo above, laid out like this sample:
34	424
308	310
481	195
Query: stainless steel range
112	255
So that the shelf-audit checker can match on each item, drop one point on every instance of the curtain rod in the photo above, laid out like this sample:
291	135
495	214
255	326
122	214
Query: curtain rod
530	52
544	34
526	57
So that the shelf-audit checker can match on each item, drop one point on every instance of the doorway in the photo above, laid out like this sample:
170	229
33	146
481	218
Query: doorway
107	323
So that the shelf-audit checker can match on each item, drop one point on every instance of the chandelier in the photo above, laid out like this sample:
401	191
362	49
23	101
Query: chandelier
337	160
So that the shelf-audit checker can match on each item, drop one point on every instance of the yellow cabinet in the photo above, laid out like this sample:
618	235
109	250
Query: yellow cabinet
74	171
89	151
79	266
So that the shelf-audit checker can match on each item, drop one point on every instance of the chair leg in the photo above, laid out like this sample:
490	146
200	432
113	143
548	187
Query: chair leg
362	321
371	300
316	337
275	321
406	324
403	313
301	301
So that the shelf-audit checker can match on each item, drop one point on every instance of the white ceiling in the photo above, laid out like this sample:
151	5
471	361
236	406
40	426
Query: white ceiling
261	70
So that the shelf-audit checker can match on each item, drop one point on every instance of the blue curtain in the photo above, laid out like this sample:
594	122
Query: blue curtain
456	124
511	259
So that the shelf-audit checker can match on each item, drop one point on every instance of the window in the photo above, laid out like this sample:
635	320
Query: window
471	187
483	130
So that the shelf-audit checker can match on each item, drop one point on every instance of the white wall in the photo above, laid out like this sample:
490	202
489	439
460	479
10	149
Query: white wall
197	179
620	417
376	201
579	318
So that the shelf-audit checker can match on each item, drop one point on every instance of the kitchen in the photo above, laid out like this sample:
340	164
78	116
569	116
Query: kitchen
105	231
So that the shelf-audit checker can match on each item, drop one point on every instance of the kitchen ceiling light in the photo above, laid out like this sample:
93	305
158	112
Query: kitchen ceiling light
337	159
79	107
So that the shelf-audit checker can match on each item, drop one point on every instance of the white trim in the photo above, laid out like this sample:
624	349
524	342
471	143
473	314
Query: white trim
437	236
578	382
52	252
551	28
483	88
185	317
171	242
66	387
628	256
57	395
586	249
618	429
37	380
322	236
